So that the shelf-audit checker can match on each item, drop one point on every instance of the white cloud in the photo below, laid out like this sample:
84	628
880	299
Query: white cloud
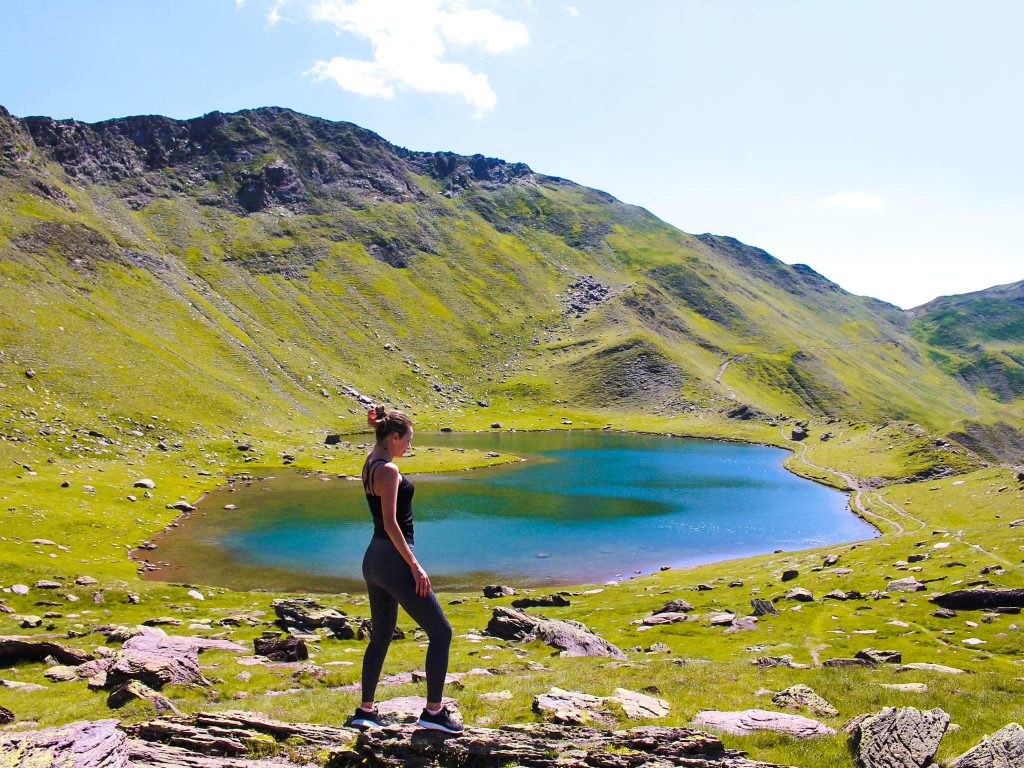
410	39
274	14
853	201
572	10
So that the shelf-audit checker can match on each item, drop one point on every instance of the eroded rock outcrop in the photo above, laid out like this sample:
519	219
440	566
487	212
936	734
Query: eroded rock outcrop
980	599
16	649
897	737
1003	749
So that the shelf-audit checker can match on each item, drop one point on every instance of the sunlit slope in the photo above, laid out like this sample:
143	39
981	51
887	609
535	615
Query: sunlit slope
978	339
245	271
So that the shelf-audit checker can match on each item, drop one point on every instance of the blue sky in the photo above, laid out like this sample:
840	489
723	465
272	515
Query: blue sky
879	142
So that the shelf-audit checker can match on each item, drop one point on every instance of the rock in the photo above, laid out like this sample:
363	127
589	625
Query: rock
163	621
748	721
944	613
19	589
496	696
721	619
19	686
281	648
799	433
790	574
158	659
897	737
195	594
763	607
800	594
134	690
830	561
28	620
542	601
879	657
6	716
48	584
576	708
922	666
917	558
571	638
802	697
332	439
498	590
980	599
835	663
496	425
144	483
15	650
86	581
1003	749
96	744
571	707
736	583
665	618
906	687
909	584
769	662
675	606
61	674
704	587
306	614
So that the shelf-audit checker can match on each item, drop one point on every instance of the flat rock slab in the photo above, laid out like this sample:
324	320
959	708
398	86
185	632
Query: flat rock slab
407	708
747	721
218	740
570	637
577	708
924	666
669	617
88	744
1003	749
546	745
897	737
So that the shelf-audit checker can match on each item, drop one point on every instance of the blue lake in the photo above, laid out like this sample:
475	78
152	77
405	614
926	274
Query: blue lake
585	507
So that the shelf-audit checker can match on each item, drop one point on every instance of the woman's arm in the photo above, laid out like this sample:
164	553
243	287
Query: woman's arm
386	479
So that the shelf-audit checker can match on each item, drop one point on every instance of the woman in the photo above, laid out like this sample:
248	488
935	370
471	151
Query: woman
394	577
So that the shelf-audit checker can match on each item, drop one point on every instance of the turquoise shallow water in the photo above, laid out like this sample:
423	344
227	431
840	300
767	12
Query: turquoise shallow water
586	507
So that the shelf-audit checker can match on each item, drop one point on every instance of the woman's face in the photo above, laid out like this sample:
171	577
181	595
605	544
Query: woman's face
400	445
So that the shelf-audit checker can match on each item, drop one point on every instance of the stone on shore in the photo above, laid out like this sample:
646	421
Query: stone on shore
1003	749
748	721
570	637
541	601
897	737
492	591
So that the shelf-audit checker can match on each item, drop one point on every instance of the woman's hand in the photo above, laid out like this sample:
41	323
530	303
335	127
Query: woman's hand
422	580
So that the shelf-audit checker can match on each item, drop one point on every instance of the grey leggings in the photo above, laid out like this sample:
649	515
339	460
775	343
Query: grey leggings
390	583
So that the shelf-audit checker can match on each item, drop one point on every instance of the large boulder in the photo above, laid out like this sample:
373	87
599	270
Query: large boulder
981	598
897	737
307	615
16	649
281	648
570	637
1003	749
158	659
96	744
748	721
6	716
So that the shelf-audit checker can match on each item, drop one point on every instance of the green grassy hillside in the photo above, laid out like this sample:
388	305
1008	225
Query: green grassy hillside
189	300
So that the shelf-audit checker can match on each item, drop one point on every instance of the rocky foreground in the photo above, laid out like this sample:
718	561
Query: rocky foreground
227	739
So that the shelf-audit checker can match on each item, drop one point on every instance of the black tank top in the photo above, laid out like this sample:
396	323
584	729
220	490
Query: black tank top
403	505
